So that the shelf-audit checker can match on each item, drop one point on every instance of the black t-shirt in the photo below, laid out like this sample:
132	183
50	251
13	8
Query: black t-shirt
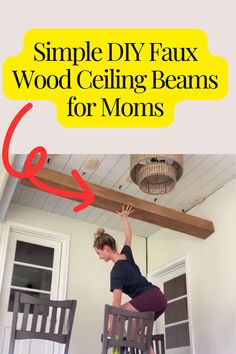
126	276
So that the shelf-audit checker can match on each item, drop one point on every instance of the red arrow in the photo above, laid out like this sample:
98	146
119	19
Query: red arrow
31	170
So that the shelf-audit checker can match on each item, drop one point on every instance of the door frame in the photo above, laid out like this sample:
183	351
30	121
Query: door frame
43	234
170	267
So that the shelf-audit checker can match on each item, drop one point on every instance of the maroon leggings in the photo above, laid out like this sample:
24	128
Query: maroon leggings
151	300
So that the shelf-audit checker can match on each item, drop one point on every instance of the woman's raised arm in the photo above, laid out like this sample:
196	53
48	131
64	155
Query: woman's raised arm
124	213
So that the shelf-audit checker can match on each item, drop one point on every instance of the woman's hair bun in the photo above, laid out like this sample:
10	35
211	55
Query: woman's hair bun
100	232
102	239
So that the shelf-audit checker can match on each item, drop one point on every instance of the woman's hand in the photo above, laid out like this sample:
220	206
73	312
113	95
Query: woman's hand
126	211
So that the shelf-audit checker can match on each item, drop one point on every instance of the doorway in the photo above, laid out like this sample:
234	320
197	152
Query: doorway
172	279
35	262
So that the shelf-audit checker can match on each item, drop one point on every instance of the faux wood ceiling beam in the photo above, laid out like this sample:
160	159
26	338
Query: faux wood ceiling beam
111	200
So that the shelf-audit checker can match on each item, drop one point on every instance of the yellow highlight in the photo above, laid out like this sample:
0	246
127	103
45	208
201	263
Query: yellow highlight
115	78
116	350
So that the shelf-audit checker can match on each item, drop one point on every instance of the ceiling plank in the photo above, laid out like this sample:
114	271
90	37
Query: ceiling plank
112	200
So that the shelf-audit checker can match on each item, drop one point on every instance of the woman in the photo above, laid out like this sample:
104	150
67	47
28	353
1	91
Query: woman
125	274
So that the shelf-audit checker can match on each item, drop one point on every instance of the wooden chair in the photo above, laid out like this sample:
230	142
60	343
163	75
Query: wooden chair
158	343
131	331
37	326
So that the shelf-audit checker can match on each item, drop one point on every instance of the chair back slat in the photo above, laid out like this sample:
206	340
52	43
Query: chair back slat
35	318
53	320
25	317
137	328
122	326
14	322
142	331
44	319
114	329
41	310
70	322
129	329
62	320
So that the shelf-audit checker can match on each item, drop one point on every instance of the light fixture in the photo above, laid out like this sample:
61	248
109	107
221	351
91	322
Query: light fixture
91	163
156	173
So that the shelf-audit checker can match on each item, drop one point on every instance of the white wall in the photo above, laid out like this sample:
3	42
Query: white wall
88	276
1	256
212	271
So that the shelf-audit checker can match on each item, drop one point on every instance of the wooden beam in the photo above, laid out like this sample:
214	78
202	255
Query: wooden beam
111	200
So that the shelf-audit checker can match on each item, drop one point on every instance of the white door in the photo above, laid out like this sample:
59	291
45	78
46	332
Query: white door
33	266
175	322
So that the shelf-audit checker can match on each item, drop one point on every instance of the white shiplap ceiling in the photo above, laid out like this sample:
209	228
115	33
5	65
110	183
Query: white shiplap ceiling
203	175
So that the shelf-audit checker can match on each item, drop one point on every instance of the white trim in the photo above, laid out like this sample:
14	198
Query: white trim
3	250
169	267
31	290
178	298
176	323
30	265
